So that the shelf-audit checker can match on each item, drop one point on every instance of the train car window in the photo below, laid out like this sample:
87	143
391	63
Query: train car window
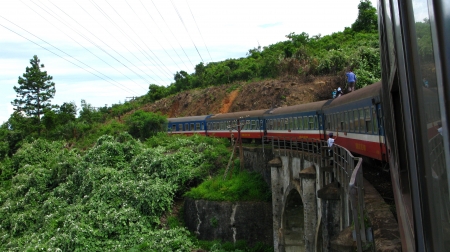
299	123
332	119
291	123
295	123
271	124
186	126
286	124
362	128
368	120
356	116
341	121
305	123
316	122
192	127
311	122
197	126
350	121
203	126
180	127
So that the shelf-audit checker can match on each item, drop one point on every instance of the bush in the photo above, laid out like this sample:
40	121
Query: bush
143	124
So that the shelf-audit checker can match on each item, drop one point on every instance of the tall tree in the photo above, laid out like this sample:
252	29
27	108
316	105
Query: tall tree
367	18
34	91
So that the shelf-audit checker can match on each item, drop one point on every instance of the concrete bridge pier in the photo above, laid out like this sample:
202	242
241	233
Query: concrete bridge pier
294	203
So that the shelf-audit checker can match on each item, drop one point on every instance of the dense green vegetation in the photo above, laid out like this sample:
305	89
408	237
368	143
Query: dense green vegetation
108	198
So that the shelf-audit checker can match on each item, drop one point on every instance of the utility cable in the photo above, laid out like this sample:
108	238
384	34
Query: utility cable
123	87
199	30
181	19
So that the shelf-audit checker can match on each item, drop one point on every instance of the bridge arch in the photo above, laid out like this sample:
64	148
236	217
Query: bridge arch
292	220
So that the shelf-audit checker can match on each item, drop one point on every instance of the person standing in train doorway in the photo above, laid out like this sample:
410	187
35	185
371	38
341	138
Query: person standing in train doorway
330	142
351	80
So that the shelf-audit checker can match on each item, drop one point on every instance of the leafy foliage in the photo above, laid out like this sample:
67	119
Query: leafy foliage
110	198
242	186
143	124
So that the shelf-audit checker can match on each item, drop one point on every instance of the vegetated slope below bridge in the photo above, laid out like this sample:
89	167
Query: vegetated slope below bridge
244	96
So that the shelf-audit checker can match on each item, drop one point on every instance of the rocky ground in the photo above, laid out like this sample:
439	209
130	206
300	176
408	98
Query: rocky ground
245	96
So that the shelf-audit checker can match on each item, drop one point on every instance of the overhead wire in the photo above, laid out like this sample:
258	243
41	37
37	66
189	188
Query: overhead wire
156	39
117	40
162	17
119	85
131	28
126	35
168	41
195	21
184	25
95	44
87	49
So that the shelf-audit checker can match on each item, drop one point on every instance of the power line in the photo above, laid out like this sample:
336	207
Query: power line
186	30
63	57
198	30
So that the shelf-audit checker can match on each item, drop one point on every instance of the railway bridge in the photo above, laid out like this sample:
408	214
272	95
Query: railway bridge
319	198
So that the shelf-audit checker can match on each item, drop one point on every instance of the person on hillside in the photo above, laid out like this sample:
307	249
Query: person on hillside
334	93
339	92
351	81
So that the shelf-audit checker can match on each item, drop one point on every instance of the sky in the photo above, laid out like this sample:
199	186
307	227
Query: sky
107	52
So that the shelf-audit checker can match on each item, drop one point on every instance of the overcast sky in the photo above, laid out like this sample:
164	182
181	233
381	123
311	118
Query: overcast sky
106	51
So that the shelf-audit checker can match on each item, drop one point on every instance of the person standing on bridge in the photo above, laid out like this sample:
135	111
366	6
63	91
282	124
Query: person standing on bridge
351	80
330	142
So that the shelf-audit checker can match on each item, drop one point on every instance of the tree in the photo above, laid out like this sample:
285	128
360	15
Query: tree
35	90
367	18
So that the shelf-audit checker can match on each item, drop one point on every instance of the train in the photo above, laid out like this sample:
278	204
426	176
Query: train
355	119
401	120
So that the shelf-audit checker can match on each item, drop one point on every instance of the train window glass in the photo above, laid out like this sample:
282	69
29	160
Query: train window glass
272	127
333	125
203	126
247	125
368	120
286	124
341	121
174	127
305	123
429	89
374	121
186	126
320	122
180	127
361	121
192	127
197	126
257	124
300	123
253	125
291	123
316	122
311	122
356	116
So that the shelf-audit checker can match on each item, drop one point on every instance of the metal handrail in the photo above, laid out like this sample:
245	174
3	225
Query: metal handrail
346	173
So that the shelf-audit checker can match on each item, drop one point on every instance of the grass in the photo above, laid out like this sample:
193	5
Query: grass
242	186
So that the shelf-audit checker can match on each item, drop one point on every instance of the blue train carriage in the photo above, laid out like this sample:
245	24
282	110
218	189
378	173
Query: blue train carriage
296	122
188	125
357	117
251	123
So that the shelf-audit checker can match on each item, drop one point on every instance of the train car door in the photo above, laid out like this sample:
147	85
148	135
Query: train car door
322	132
381	135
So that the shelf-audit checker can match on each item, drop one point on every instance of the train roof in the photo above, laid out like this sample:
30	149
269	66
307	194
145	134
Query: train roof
307	107
236	115
188	118
366	92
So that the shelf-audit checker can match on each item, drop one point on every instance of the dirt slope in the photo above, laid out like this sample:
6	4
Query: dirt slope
244	96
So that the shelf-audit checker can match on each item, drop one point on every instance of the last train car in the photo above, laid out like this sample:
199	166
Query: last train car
188	125
356	120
